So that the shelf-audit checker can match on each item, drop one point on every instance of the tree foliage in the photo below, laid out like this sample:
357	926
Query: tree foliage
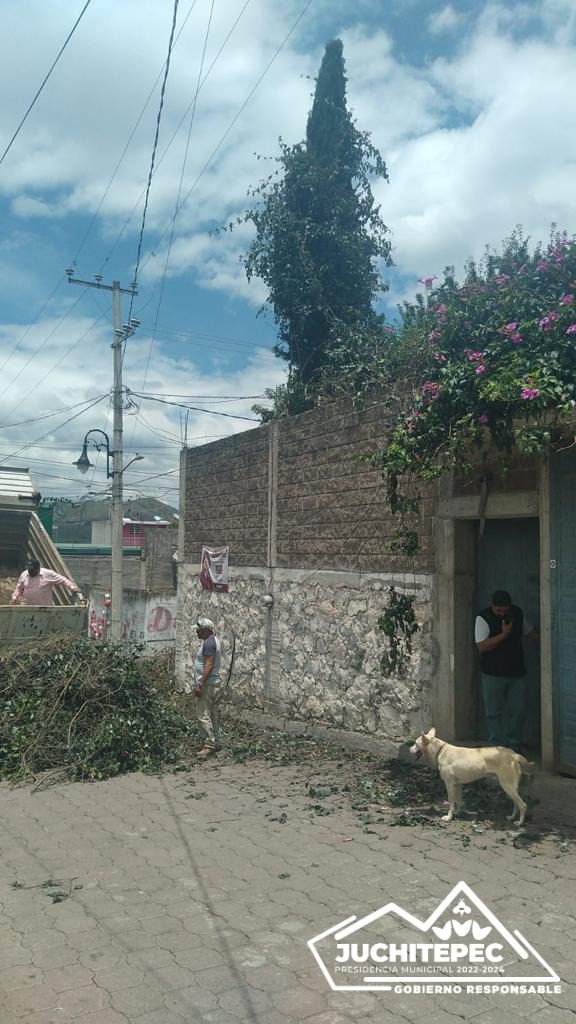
320	237
496	364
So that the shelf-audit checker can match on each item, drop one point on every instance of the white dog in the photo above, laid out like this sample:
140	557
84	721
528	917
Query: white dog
459	765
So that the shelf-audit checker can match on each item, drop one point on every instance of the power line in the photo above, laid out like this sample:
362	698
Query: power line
195	408
155	476
164	329
31	444
154	148
31	325
180	184
238	115
65	355
61	51
181	122
165	435
47	415
60	462
130	137
204	398
42	344
132	451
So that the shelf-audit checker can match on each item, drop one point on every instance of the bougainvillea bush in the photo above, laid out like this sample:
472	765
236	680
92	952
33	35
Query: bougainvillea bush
497	359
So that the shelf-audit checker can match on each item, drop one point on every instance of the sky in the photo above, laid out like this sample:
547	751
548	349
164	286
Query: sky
470	104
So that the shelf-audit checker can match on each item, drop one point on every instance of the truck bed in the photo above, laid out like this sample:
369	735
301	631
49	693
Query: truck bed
19	623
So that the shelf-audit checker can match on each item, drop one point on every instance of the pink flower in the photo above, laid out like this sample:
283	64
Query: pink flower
542	265
571	329
430	390
434	335
388	330
529	393
502	278
427	281
480	369
516	338
484	419
473	357
567	299
439	357
546	323
441	312
510	328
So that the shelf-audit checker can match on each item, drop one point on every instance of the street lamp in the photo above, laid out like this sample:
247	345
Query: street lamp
83	464
119	339
115	472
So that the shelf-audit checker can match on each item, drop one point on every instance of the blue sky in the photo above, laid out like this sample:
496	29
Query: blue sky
470	104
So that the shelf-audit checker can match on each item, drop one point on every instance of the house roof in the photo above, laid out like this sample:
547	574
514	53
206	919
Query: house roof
16	487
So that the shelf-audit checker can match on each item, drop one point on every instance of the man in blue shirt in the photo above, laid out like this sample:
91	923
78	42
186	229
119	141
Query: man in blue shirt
206	679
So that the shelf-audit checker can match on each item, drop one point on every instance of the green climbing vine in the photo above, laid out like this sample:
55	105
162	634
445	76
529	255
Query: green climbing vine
399	625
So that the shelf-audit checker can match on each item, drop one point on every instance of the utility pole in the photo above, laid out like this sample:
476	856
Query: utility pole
121	333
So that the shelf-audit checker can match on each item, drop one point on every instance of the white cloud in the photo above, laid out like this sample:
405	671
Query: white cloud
445	20
29	206
56	379
476	141
453	190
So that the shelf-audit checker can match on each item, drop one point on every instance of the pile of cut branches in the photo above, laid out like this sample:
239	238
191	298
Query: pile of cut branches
76	709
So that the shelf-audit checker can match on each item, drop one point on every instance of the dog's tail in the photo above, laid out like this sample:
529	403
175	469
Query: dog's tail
526	767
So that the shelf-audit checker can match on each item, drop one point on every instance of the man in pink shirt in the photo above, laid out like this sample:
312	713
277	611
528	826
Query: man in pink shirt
36	585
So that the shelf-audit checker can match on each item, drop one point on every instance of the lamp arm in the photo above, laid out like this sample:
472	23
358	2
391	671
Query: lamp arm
137	458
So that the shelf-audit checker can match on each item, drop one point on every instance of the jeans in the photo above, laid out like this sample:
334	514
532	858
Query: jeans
208	717
504	704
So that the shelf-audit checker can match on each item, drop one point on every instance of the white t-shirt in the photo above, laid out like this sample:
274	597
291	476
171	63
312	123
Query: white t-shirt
482	629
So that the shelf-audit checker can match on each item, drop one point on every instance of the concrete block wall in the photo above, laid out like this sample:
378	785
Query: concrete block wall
331	504
91	571
307	522
226	497
328	504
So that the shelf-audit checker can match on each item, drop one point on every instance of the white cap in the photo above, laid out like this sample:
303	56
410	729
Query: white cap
205	624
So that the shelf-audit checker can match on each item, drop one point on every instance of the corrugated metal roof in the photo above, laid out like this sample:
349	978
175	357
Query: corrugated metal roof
15	483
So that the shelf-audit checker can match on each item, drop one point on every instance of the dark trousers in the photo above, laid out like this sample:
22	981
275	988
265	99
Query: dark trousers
504	702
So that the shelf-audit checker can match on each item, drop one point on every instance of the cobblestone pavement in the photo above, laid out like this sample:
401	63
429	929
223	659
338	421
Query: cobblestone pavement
195	899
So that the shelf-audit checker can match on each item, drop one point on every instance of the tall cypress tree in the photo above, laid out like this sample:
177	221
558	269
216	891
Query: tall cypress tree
319	234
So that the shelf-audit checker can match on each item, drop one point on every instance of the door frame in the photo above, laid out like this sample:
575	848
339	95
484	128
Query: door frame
454	703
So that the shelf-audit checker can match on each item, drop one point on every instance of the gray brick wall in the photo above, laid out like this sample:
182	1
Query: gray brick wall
226	499
90	571
331	505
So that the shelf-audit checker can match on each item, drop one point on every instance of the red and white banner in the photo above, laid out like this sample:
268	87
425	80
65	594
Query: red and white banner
214	570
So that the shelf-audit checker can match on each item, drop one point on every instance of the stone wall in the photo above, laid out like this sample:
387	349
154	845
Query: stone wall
316	653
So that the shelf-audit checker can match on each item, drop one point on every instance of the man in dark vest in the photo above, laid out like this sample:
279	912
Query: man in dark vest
499	634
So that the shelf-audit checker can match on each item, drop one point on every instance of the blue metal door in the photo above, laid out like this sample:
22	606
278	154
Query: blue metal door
563	601
508	559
